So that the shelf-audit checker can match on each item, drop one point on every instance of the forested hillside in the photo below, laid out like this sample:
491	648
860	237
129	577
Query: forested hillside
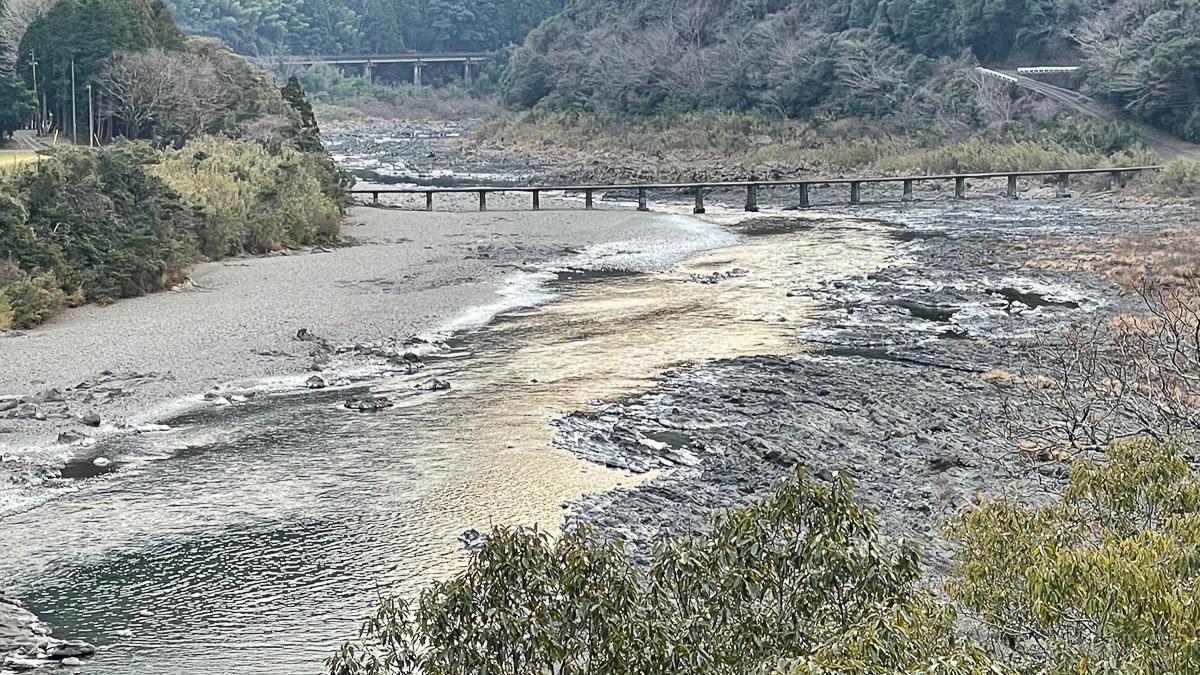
267	27
899	59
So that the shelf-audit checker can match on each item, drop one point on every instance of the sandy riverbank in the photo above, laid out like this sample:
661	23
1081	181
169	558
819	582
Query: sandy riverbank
233	325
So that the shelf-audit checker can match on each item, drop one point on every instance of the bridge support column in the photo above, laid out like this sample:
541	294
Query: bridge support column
537	200
1064	185
375	198
367	72
467	73
642	200
1012	187
804	203
699	200
908	191
417	73
752	198
429	201
960	187
1118	179
856	193
482	200
587	200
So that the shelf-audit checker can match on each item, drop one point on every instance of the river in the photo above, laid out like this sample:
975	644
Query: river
253	538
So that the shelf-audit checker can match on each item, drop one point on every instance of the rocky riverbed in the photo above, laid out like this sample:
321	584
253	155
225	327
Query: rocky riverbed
891	387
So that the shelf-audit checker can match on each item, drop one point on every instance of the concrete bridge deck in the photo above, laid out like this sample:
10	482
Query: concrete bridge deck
1062	179
376	59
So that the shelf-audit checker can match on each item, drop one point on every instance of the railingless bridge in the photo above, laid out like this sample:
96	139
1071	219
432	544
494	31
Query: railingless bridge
1061	177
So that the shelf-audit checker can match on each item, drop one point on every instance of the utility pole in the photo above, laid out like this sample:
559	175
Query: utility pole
74	116
91	118
37	101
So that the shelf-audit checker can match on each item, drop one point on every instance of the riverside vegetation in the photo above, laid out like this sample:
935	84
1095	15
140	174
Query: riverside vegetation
218	163
1099	580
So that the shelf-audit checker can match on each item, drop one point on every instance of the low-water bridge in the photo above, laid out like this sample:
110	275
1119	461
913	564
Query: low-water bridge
1061	177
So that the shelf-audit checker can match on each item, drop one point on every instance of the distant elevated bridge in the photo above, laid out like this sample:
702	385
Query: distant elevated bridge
1046	70
369	61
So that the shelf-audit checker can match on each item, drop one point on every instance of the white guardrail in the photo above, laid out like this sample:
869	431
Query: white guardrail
1033	70
995	73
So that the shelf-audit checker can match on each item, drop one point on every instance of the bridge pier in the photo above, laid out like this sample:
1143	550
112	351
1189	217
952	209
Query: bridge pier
855	192
367	72
960	187
908	191
537	200
1118	179
467	73
375	198
429	201
1012	187
642	200
587	200
417	73
804	204
699	200
752	198
482	200
1064	183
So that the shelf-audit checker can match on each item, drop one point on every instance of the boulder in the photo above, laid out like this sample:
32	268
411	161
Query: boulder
315	382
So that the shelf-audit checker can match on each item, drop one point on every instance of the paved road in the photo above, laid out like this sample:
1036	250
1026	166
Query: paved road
1167	146
28	140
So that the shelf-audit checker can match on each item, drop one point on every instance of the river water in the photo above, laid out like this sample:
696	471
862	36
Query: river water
253	538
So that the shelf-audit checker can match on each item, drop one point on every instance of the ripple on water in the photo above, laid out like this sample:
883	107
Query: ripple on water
252	538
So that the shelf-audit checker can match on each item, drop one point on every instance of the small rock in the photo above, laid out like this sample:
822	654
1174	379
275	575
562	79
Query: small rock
433	384
145	612
472	539
315	382
72	662
101	462
369	404
91	420
124	633
74	648
69	437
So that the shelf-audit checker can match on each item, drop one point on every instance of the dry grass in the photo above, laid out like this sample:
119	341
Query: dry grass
1172	256
8	158
754	139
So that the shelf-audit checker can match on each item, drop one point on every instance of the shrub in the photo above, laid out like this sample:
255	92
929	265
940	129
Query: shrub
1102	580
1178	179
103	223
6	313
24	301
250	199
797	581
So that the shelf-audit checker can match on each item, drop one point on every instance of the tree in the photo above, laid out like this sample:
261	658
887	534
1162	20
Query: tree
17	105
84	33
15	18
177	92
796	582
1102	580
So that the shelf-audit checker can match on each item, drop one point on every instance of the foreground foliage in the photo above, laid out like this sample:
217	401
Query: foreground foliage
797	582
1102	580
